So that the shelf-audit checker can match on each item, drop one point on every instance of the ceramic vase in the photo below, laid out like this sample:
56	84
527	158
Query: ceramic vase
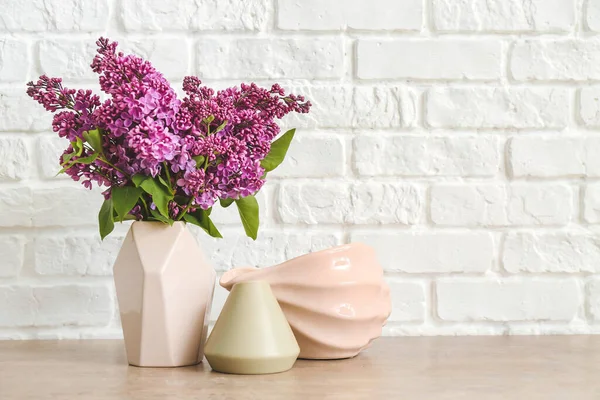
164	289
335	300
251	336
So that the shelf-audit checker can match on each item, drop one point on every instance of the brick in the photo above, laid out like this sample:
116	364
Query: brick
78	305
551	252
15	159
496	107
313	156
540	204
54	16
356	107
191	15
361	203
508	299
75	255
271	247
66	205
408	301
429	59
12	254
504	16
591	203
230	215
557	60
49	149
59	305
261	58
593	296
501	205
18	306
403	155
168	55
589	101
314	203
383	107
14	60
324	99
386	203
21	113
431	252
546	157
16	207
71	58
592	15
67	58
354	14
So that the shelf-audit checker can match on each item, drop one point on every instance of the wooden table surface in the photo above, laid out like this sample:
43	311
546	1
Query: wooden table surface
518	367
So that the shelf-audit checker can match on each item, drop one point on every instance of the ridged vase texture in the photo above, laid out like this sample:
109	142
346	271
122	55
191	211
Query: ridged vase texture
336	300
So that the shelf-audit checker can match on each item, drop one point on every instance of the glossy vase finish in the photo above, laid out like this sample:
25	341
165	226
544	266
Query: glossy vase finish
164	288
335	300
251	336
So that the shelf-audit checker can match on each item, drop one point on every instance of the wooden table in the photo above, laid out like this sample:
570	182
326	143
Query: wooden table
550	367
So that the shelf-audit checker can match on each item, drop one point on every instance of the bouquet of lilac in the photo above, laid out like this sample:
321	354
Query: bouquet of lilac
162	158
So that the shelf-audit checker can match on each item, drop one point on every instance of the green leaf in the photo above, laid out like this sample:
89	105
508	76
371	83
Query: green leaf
201	218
248	209
94	138
160	194
83	160
105	218
86	160
124	199
221	127
226	202
165	183
179	199
199	160
278	151
66	164
77	147
208	119
138	179
160	218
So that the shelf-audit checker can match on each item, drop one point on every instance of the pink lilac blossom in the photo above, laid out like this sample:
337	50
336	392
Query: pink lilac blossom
147	130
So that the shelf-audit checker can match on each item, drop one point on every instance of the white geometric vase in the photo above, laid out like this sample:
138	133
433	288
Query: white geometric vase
164	288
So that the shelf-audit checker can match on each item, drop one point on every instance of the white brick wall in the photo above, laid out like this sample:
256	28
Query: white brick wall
505	300
460	138
501	205
429	59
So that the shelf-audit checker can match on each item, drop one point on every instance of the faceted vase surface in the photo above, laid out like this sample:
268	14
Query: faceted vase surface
164	289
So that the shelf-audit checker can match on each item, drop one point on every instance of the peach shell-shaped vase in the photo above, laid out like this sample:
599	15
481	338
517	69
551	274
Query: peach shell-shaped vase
335	300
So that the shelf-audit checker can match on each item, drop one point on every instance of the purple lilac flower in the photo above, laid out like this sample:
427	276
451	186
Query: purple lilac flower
208	145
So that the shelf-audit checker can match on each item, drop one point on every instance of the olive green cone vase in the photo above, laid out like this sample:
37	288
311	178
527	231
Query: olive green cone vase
251	336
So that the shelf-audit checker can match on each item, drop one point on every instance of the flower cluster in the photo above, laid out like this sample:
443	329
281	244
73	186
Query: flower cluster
164	158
